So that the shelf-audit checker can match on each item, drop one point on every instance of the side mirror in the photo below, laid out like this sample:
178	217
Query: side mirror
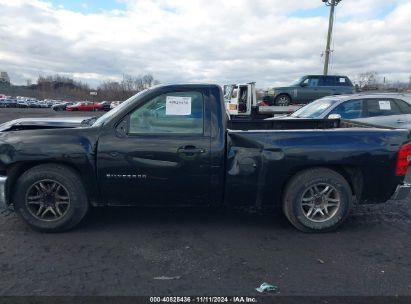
303	84
334	116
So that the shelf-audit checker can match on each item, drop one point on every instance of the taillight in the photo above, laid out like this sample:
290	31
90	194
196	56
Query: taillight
402	160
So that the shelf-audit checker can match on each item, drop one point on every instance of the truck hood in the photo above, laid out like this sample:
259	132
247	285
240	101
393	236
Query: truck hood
43	123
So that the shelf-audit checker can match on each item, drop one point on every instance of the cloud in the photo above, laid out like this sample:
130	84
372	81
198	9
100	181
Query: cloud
202	40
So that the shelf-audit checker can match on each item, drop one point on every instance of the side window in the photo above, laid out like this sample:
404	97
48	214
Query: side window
350	109
328	81
342	81
404	106
312	81
172	113
380	107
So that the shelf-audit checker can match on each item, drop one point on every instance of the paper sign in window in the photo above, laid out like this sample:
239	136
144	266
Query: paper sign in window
342	79
385	105
176	105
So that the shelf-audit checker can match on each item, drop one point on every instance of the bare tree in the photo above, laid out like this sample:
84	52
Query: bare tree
129	86
66	88
368	79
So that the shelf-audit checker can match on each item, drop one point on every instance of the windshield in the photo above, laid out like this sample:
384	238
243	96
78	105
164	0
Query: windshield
314	109
230	92
297	81
114	111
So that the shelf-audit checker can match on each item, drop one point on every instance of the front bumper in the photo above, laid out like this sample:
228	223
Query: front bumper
3	200
401	192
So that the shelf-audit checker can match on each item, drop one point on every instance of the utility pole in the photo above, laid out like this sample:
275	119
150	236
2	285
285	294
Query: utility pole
332	4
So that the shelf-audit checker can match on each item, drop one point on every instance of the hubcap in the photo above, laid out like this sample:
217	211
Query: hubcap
320	202
47	200
283	100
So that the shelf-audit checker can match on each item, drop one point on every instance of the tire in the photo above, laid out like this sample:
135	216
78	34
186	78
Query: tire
30	195
282	100
300	197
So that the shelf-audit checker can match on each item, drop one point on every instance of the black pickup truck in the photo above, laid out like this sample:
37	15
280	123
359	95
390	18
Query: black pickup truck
173	145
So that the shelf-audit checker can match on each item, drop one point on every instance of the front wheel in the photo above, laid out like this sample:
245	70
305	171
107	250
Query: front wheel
317	200
282	100
50	198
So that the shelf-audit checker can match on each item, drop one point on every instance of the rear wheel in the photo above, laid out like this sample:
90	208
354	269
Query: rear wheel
317	200
50	198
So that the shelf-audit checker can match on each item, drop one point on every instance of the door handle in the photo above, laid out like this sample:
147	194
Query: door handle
400	121
190	150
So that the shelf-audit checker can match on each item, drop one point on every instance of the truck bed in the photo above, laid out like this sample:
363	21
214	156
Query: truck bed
265	154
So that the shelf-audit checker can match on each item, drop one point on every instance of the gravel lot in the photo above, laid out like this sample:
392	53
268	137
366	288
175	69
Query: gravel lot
119	251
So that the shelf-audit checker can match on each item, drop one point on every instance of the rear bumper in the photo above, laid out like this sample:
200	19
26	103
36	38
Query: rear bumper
401	192
3	200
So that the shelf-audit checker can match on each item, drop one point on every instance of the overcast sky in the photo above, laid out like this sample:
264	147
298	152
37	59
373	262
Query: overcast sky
271	42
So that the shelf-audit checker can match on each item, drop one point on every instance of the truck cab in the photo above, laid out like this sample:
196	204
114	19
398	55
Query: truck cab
240	98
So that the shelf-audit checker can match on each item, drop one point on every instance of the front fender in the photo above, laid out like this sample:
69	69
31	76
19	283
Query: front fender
76	148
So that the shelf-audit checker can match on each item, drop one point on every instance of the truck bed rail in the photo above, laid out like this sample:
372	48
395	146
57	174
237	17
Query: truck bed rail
283	124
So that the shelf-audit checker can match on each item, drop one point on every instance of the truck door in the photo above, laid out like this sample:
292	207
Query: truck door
243	100
159	154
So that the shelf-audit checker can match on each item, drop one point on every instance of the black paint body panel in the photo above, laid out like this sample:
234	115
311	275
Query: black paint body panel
237	168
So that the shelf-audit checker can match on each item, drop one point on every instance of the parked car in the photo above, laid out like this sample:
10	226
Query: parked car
42	104
32	103
172	145
105	105
114	104
84	106
10	103
61	106
385	110
22	104
309	88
